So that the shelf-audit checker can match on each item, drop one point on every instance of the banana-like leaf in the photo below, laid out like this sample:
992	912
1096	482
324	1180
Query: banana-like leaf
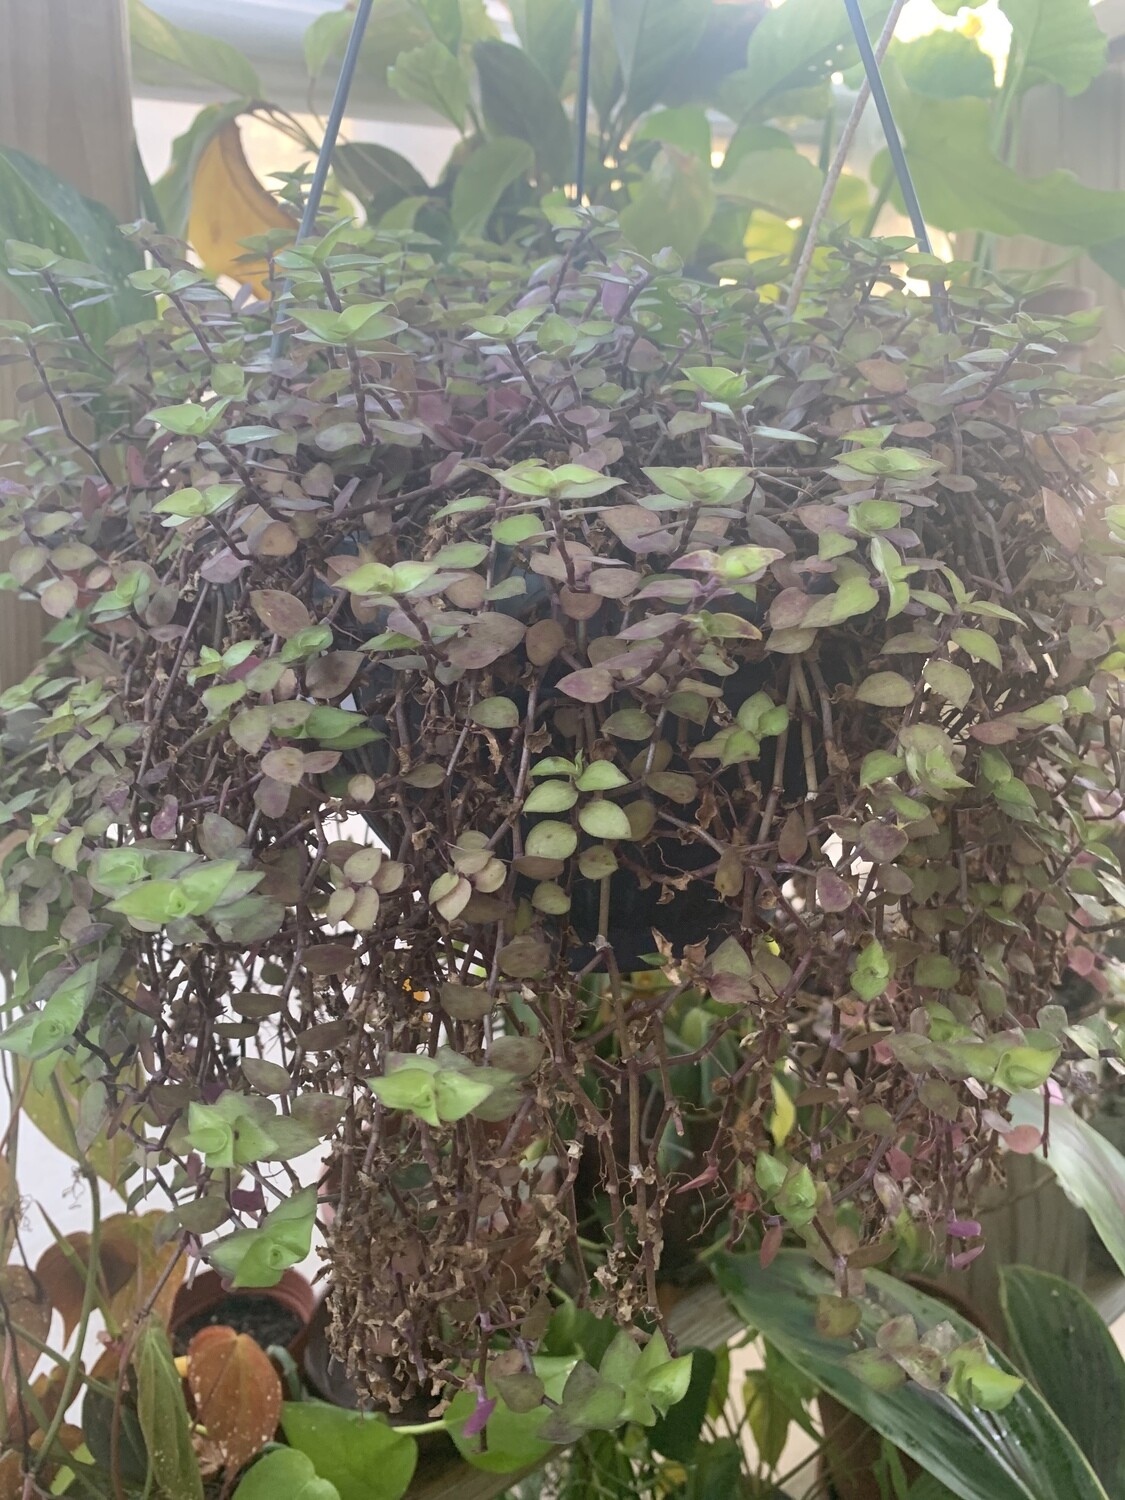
1090	1170
1059	1340
1020	1453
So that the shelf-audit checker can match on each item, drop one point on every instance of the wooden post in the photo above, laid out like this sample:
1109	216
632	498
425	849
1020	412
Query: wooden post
65	100
1083	135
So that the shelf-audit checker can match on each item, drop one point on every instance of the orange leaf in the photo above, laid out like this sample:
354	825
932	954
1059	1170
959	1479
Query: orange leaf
236	1391
130	1265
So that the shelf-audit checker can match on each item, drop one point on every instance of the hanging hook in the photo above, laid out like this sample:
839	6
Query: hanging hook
894	144
582	107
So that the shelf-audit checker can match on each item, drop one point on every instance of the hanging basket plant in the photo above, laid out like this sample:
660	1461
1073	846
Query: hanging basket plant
593	753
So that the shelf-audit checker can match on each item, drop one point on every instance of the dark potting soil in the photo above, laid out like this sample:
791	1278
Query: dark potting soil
266	1321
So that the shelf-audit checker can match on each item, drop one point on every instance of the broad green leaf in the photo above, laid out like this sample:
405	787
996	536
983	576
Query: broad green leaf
458	1093
964	185
672	205
945	64
189	418
156	43
1019	1453
412	1089
1054	41
431	75
1090	1170
676	1435
518	101
767	1413
163	1416
483	180
326	36
360	1454
546	30
1058	1338
41	209
601	776
285	1473
513	1437
495	713
799	44
185	505
653	38
878	765
444	20
890	463
378	176
782	181
687	128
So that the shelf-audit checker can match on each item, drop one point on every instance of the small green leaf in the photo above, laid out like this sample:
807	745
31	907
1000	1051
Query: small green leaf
495	713
550	840
189	419
604	820
886	689
551	797
855	596
516	529
872	971
257	1257
879	765
431	75
979	645
601	776
948	681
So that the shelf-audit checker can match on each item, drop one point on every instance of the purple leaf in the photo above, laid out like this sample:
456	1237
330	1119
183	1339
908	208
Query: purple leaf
478	1421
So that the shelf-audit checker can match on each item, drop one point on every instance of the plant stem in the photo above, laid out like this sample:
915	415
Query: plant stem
836	168
89	1291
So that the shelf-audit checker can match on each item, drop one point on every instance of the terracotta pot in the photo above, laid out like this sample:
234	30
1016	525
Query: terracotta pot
207	1294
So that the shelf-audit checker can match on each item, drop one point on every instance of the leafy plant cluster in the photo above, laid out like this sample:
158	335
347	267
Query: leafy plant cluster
588	752
711	127
695	113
